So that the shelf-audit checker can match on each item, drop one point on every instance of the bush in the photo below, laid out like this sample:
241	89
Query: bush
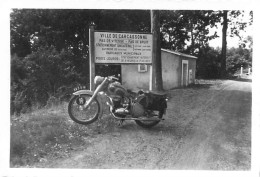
237	57
208	63
41	78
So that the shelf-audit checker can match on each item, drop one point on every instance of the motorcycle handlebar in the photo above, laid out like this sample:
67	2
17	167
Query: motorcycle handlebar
113	78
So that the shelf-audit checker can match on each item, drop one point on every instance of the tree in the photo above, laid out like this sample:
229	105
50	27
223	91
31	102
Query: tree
199	23
173	35
237	57
224	43
208	67
187	31
49	48
230	20
157	83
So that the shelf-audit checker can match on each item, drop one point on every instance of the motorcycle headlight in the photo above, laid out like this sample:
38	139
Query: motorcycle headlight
98	80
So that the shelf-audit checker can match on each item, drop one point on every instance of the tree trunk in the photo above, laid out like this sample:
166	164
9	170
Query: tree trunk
192	41
157	84
224	44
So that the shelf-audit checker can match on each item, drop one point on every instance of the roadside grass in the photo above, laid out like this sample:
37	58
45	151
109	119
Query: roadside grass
46	134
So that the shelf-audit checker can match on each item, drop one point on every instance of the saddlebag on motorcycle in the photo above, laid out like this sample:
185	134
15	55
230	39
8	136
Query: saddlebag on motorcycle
152	101
156	102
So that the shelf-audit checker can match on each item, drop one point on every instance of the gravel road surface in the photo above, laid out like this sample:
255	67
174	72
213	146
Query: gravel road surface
207	127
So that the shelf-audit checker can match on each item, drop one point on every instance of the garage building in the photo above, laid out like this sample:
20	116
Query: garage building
178	70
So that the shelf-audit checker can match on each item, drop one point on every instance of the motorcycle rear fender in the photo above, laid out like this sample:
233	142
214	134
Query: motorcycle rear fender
89	92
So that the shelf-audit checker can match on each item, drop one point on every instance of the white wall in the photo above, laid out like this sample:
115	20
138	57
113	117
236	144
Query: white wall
132	79
171	73
171	70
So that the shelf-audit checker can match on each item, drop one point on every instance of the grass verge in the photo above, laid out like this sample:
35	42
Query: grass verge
45	134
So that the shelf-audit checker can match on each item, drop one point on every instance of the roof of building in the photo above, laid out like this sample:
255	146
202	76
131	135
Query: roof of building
179	53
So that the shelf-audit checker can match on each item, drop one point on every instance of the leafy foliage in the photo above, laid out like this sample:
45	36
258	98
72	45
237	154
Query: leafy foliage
40	75
237	57
208	63
231	20
187	31
49	49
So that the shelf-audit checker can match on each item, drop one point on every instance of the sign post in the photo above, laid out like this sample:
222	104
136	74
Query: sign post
91	57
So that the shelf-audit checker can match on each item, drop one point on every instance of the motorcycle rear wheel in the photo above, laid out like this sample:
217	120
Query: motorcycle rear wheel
83	115
149	124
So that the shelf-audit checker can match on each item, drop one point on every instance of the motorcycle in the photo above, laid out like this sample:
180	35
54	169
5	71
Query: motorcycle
145	108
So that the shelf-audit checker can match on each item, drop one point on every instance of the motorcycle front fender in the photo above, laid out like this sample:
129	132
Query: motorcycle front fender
80	92
89	92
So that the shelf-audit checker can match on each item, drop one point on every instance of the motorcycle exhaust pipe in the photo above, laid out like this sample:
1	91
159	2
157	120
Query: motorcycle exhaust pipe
130	118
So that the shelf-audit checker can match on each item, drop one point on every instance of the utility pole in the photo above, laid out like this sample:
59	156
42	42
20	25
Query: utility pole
156	71
224	44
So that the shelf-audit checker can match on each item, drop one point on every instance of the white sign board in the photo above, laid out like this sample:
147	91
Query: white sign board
112	47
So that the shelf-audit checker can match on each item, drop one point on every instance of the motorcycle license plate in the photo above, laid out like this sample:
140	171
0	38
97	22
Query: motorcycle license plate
79	88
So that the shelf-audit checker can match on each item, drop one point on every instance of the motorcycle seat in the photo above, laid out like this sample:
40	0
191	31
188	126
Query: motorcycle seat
130	91
135	91
156	93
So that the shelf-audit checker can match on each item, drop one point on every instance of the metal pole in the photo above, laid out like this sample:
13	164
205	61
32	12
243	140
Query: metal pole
91	57
151	78
241	70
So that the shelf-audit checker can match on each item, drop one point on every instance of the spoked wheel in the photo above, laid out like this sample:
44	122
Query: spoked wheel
149	124
82	115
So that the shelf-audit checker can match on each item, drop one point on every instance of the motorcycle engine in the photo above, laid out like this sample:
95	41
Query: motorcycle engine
138	107
117	101
121	106
137	110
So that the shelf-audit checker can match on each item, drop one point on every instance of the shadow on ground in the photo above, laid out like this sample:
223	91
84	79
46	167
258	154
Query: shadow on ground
243	80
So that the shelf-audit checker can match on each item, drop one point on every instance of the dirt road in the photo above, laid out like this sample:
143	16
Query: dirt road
207	126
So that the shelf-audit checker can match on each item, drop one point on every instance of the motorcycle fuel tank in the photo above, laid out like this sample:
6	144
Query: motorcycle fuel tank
116	88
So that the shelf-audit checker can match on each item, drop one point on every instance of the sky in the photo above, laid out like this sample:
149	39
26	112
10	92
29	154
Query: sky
231	41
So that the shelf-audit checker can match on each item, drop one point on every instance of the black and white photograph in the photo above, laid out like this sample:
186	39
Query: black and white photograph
151	89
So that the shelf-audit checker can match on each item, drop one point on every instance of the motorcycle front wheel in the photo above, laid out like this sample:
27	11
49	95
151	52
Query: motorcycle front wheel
82	115
149	124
